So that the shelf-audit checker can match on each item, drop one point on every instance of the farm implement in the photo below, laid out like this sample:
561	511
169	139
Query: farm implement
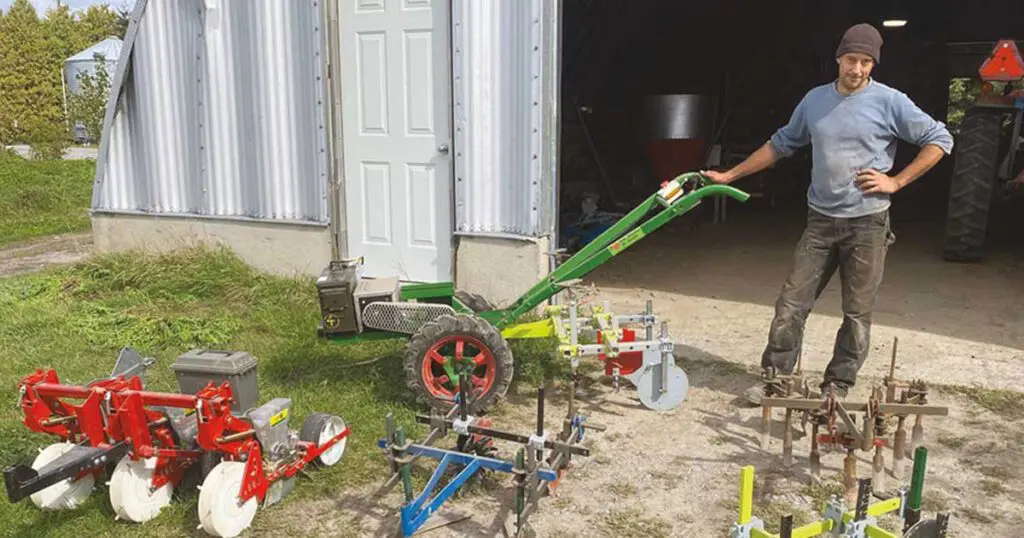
453	333
540	463
894	398
857	519
153	443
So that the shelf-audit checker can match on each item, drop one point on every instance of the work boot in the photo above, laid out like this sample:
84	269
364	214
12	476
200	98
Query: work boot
841	391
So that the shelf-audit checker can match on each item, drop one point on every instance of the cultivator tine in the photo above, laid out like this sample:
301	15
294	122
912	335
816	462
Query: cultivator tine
917	435
850	476
815	453
786	526
787	440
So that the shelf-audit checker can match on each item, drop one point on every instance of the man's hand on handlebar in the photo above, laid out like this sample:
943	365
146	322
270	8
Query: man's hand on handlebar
722	178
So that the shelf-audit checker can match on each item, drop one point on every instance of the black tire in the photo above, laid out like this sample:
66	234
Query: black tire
476	302
972	187
478	333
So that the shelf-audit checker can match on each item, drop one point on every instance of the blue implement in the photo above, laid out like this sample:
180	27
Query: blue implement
416	512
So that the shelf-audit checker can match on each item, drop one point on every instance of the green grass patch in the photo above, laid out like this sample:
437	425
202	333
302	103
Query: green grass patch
1007	404
39	198
75	319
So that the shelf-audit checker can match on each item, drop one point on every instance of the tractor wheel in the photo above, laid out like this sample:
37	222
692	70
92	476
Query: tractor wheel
474	301
448	345
971	190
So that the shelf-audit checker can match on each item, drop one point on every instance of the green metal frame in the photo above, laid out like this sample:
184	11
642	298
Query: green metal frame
612	242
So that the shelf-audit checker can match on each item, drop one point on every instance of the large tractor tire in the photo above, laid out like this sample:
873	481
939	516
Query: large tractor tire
461	343
972	188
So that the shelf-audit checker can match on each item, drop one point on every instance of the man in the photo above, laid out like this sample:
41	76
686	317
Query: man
852	125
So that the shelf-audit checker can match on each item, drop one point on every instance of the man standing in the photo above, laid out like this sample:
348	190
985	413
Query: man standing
852	125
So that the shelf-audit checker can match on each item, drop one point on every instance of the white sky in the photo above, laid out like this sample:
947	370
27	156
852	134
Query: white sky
43	5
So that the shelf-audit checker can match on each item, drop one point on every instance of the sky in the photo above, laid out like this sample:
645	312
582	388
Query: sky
43	5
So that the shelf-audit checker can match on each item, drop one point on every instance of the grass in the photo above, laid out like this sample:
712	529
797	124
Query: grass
75	319
39	198
1007	404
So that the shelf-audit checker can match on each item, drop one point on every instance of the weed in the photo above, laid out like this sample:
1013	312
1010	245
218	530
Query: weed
633	523
953	441
1005	403
622	489
992	487
934	501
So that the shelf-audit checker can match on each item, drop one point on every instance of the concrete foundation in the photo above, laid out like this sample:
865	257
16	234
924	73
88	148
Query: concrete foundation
281	249
500	269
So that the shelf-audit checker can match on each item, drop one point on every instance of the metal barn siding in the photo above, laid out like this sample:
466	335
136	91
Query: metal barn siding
220	113
505	63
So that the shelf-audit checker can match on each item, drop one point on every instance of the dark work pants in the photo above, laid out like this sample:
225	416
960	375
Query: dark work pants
857	248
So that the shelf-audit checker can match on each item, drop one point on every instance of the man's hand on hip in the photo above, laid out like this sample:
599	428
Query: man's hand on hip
871	181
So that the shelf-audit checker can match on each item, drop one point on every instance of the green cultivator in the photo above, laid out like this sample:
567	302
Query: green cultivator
455	333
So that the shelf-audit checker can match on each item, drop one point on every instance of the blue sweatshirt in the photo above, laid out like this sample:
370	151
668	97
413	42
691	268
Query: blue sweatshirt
851	132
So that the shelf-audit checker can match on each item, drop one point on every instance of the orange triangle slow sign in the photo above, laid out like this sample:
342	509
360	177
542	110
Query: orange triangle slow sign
1005	63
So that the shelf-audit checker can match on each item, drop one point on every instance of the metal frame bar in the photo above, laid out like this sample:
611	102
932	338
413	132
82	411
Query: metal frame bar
615	240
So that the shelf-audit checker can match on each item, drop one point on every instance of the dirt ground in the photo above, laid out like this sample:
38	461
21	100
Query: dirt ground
676	473
32	255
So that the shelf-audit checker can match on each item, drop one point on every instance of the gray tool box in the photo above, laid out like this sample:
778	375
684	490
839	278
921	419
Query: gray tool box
198	367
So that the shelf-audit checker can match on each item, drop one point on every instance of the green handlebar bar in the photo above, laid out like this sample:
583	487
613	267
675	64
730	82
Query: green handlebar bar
618	237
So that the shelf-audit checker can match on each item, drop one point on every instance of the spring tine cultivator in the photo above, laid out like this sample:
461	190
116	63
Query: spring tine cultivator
148	442
540	461
849	426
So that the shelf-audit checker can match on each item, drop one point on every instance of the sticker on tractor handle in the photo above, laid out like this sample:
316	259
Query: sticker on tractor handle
276	419
625	242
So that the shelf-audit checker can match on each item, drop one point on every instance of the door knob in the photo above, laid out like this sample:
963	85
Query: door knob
443	148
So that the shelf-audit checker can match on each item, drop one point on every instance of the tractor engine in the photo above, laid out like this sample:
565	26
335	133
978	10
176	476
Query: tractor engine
344	296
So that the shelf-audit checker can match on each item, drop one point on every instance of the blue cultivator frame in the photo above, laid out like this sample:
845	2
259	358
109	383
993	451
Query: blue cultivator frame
539	465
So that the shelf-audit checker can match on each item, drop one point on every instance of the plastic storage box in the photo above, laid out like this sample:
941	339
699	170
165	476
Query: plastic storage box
198	367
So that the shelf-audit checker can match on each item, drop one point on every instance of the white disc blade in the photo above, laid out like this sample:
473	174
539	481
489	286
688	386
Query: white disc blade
67	494
220	512
648	387
131	493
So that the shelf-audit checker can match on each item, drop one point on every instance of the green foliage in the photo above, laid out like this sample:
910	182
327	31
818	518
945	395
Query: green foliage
89	104
43	197
962	93
33	49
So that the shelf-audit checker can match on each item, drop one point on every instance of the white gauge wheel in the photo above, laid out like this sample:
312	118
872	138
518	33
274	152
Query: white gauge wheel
648	385
332	427
131	493
319	428
67	494
220	512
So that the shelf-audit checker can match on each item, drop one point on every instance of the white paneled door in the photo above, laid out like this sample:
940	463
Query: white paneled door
396	95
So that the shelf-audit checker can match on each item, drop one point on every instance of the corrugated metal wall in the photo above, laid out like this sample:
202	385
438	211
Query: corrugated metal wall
221	113
505	63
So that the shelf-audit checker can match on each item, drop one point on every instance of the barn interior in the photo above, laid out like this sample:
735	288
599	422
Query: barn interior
655	88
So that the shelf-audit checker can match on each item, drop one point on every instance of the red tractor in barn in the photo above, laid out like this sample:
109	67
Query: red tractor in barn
988	165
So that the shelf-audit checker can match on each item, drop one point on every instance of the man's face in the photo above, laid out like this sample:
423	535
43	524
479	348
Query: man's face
854	70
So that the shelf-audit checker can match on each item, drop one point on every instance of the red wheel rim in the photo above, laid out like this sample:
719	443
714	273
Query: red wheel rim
459	353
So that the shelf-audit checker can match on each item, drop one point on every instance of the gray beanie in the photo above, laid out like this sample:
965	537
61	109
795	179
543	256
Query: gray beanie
862	38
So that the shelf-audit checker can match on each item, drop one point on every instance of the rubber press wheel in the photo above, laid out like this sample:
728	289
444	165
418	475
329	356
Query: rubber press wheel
449	345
